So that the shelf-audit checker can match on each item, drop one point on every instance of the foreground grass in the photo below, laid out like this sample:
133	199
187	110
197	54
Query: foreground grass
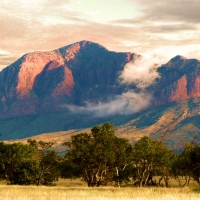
102	193
75	189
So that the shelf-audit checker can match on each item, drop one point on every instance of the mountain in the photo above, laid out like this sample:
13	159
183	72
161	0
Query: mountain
41	82
179	80
75	87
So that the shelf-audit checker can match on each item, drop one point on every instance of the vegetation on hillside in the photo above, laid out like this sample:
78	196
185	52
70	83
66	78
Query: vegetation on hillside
99	157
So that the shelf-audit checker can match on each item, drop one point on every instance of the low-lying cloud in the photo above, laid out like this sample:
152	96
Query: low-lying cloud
142	72
124	104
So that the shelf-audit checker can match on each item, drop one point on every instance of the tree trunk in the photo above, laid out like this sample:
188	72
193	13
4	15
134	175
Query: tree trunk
166	179
159	182
117	177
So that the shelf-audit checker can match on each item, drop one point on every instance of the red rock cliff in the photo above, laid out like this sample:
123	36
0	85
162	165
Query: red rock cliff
180	80
41	82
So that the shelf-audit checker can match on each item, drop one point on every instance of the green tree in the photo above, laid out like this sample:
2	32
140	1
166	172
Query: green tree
48	160
18	163
25	164
68	169
195	163
182	165
123	154
99	154
151	158
188	163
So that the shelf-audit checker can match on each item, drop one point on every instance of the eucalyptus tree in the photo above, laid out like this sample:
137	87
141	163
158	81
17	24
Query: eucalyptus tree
100	155
49	162
188	164
194	157
19	163
182	165
151	158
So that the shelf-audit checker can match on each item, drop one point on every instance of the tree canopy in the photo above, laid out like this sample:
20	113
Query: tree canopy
99	157
98	154
25	164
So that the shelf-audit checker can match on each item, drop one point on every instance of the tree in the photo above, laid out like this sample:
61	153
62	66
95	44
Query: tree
123	152
68	169
195	163
18	163
188	163
98	154
182	165
48	160
32	163
151	158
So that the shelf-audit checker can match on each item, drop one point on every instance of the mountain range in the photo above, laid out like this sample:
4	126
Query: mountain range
84	84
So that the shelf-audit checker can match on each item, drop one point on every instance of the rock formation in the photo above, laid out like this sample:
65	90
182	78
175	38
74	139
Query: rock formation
41	82
35	89
179	80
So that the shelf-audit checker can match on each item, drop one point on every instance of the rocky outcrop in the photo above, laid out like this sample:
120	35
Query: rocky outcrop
32	65
41	82
179	80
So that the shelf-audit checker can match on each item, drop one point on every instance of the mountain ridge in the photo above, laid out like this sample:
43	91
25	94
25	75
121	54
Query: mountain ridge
30	70
37	90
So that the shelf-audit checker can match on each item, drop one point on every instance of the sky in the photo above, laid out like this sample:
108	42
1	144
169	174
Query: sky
159	28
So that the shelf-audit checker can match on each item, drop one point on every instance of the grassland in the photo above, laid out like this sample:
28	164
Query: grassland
70	193
77	190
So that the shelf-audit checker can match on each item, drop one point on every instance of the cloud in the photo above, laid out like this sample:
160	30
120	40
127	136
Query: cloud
2	52
183	10
165	24
131	25
125	104
142	72
170	10
6	58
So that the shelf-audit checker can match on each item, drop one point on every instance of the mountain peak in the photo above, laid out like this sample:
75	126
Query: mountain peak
177	58
176	61
81	44
69	52
40	82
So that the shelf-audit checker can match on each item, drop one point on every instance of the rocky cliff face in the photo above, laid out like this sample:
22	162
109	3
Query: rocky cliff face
40	82
179	80
37	86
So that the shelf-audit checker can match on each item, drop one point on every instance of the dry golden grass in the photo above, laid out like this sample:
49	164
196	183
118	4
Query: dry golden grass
102	193
77	190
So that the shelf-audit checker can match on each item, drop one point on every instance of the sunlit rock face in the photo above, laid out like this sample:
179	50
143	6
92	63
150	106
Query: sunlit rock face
42	82
179	80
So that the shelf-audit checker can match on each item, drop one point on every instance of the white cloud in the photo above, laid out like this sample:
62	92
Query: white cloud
120	25
2	52
142	71
127	103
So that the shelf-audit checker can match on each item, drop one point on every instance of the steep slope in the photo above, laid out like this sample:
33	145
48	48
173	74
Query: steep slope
41	82
179	80
173	124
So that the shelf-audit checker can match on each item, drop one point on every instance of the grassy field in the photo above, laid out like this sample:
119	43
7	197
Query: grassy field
77	190
64	193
